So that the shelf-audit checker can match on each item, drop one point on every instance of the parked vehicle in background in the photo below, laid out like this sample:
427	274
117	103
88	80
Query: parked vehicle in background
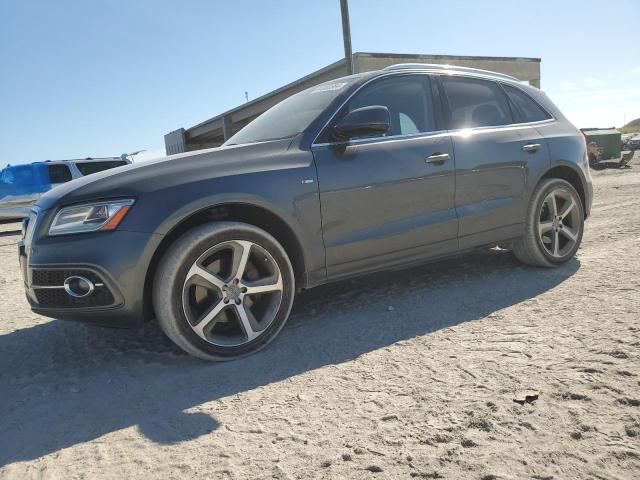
632	144
369	172
22	185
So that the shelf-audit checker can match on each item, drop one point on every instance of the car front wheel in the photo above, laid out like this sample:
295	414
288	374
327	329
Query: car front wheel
554	225
223	290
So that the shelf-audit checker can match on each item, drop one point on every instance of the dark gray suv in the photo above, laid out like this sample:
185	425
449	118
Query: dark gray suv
367	172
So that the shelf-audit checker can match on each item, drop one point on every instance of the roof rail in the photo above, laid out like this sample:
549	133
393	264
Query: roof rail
448	68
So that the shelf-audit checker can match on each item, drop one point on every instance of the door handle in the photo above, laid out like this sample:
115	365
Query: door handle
531	147
437	158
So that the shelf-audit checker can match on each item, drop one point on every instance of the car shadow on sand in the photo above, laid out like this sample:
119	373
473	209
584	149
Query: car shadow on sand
65	383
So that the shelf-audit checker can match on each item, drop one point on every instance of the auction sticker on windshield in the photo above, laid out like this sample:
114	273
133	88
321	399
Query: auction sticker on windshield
327	87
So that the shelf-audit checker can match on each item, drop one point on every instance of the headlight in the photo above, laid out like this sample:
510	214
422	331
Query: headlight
90	217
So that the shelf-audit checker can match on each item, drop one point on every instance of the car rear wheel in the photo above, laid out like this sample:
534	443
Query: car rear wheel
554	225
223	290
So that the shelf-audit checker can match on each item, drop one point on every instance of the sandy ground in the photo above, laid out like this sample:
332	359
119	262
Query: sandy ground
411	374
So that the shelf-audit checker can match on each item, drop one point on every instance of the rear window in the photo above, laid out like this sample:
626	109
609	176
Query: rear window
87	168
476	103
59	173
529	110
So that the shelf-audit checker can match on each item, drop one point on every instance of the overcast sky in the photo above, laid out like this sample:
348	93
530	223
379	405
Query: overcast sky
101	77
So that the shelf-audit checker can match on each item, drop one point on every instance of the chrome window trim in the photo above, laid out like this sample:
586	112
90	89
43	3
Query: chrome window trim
413	135
509	126
489	129
438	133
358	141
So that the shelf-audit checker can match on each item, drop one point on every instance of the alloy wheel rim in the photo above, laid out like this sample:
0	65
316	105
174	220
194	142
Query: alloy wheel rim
559	223
232	293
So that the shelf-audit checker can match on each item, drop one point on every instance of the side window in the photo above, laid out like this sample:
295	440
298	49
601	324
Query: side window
59	173
406	124
529	110
476	103
408	99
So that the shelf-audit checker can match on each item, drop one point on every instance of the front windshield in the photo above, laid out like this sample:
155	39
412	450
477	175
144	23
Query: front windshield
291	116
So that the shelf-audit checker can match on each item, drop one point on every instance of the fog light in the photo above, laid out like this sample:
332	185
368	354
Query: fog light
78	287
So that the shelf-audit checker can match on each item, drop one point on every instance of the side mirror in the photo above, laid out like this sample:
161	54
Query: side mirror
364	122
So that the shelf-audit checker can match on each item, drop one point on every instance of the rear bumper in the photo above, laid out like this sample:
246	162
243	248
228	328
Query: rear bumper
117	262
589	198
588	191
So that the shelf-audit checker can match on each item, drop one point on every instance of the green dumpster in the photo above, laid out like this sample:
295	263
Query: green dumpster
608	140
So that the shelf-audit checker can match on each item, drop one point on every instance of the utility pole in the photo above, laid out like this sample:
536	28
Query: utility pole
346	36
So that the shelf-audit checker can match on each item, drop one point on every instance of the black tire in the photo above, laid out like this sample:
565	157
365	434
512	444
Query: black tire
530	249
170	281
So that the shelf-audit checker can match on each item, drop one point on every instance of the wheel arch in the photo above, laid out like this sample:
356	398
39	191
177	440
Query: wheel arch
573	175
250	213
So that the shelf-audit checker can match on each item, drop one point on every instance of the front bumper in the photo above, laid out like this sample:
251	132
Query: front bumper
117	262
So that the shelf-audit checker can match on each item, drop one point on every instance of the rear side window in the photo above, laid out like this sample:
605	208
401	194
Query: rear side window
87	168
529	110
59	173
476	103
408	99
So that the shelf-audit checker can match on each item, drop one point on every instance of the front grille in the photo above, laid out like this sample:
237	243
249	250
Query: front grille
57	297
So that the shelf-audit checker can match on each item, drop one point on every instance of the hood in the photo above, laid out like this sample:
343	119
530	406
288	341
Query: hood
136	179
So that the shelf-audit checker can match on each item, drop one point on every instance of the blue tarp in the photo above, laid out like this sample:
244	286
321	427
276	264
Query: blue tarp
26	179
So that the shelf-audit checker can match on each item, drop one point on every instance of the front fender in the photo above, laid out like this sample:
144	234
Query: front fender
282	193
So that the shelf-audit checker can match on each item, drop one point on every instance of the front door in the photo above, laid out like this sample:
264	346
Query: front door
384	200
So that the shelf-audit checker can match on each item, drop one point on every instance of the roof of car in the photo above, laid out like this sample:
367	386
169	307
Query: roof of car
432	67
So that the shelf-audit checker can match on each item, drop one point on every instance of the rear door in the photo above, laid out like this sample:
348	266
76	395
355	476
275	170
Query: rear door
494	158
383	200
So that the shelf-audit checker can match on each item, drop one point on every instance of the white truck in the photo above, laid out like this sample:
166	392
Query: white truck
22	185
